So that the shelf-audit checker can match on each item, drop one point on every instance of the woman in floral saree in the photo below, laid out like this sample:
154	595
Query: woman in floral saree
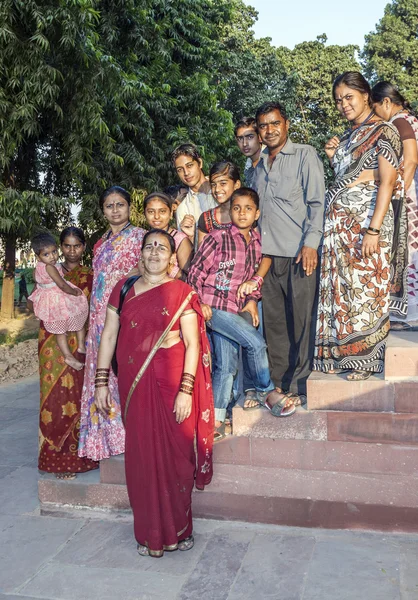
115	255
353	312
166	396
61	385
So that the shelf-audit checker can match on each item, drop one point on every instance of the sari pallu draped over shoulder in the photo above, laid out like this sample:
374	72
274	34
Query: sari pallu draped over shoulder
353	307
60	388
163	459
115	255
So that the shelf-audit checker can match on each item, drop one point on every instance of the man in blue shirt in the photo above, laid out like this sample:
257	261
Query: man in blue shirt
289	179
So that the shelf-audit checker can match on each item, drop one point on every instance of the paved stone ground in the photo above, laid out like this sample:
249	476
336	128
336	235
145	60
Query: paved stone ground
90	558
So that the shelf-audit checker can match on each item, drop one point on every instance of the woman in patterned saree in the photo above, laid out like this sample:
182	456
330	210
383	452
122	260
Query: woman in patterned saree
116	254
353	311
61	385
166	396
390	105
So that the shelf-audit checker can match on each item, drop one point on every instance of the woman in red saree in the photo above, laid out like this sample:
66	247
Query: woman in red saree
61	386
166	397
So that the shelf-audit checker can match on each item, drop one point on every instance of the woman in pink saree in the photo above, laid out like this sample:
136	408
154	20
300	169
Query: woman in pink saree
165	393
116	254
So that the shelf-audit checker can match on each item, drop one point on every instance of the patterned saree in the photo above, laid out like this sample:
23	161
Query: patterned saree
61	388
353	308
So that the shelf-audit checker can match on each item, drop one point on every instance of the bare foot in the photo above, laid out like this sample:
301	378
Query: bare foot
72	362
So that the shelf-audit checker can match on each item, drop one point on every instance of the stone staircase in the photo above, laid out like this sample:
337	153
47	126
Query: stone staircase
350	460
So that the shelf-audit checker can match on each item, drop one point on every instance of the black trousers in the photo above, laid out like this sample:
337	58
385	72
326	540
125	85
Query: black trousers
289	311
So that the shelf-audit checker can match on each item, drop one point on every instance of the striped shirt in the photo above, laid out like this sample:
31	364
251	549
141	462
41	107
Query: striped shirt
224	261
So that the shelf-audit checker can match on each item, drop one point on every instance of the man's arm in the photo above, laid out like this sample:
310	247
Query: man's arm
314	195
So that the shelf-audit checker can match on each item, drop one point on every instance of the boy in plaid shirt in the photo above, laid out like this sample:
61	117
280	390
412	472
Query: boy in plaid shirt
225	259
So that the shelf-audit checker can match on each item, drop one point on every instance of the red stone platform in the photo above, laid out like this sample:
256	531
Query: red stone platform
350	460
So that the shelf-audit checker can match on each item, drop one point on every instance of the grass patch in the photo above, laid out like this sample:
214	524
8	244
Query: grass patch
10	339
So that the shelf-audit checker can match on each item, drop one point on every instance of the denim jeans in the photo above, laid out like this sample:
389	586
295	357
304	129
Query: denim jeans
230	331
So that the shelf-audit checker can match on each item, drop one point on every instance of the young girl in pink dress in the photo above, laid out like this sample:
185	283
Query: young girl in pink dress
59	304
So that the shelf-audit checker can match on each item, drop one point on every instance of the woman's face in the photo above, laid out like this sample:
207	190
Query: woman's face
383	109
223	187
352	104
116	210
158	214
72	249
156	254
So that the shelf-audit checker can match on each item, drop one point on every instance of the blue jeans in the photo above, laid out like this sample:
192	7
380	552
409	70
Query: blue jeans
230	331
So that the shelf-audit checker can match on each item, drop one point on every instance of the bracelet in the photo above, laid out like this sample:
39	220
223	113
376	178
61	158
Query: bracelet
372	234
373	230
100	385
258	280
188	376
186	391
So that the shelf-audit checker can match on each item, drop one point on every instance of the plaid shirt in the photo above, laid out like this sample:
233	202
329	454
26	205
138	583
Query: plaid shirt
222	263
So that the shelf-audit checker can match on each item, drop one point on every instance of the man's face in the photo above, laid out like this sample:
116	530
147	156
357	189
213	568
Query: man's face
189	170
248	141
273	128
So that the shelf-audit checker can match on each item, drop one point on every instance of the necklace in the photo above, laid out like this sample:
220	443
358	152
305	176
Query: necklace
154	282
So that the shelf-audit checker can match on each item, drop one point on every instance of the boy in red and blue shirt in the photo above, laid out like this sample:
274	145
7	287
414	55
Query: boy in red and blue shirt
225	259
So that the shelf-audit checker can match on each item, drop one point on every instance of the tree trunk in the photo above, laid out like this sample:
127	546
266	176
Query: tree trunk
8	293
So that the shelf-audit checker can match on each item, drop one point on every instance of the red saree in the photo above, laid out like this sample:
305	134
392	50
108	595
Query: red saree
61	388
160	460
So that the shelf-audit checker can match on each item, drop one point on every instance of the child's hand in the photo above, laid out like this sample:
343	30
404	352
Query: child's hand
246	288
251	307
207	311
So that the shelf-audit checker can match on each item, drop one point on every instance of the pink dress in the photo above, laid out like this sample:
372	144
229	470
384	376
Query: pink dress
60	312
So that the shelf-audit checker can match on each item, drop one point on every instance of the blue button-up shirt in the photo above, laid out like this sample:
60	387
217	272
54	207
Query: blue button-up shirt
292	196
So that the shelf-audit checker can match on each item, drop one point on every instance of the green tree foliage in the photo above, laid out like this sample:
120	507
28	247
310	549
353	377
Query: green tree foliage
250	68
313	66
94	92
391	52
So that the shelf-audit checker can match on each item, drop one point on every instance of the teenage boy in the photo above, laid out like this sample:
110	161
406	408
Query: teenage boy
248	141
189	168
225	259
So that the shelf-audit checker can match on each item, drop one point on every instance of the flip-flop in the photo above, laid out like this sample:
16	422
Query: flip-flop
219	433
399	326
359	375
251	395
278	409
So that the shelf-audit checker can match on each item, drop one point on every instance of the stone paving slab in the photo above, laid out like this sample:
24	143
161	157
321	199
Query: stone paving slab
93	557
26	544
69	582
19	491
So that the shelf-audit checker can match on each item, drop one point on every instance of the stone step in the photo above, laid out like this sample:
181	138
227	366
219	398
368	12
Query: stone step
342	426
268	495
303	455
376	394
401	359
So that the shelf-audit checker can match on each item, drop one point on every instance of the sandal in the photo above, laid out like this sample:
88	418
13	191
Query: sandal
251	396
219	433
399	326
186	544
67	476
142	550
358	375
283	408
